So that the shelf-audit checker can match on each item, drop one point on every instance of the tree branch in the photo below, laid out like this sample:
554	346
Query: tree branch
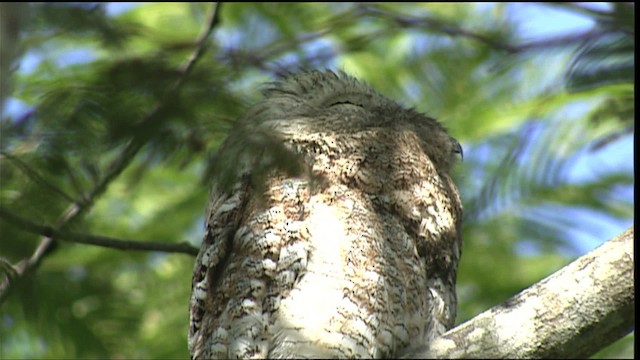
145	127
33	175
105	241
573	313
455	30
261	57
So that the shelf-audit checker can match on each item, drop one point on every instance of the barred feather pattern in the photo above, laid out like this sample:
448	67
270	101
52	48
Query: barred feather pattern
354	258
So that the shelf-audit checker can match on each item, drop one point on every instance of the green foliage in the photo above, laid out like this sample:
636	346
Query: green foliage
104	82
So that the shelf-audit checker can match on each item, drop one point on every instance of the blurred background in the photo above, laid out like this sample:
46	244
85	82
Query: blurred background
107	129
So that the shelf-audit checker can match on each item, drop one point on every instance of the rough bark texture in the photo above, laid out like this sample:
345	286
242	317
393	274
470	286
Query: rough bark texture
573	313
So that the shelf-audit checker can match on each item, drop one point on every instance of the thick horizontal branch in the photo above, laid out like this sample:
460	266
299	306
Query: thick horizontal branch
105	241
573	313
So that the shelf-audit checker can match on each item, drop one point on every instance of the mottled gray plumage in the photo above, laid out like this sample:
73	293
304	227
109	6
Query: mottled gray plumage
359	264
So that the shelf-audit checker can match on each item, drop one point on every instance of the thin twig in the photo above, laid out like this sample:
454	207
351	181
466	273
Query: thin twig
33	175
580	9
98	240
201	43
438	25
455	30
119	164
611	138
10	271
562	41
261	57
78	208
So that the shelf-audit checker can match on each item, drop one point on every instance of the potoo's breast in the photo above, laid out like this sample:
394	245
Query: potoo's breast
376	259
363	292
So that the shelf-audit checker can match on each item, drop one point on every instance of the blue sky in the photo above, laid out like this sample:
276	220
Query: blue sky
543	21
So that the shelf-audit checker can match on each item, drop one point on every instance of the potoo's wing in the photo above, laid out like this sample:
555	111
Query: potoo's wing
222	221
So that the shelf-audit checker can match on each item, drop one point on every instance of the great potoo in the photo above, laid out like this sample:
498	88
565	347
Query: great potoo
353	257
